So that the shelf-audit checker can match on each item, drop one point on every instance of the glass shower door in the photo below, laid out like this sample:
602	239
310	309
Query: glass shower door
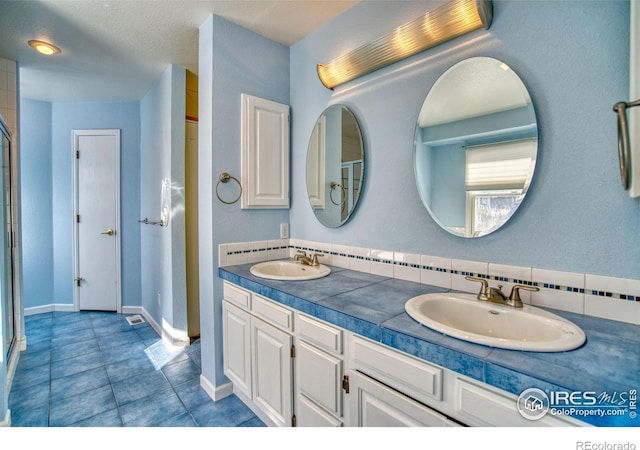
6	240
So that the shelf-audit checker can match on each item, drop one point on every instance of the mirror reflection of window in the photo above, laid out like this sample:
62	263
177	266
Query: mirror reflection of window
475	148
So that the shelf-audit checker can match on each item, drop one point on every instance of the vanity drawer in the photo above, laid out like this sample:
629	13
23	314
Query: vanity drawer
415	378
273	313
477	405
236	295
319	333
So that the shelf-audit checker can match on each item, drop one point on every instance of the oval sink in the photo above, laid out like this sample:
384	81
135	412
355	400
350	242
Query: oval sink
289	270
465	317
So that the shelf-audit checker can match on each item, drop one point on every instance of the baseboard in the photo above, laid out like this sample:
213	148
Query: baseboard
6	422
216	392
53	307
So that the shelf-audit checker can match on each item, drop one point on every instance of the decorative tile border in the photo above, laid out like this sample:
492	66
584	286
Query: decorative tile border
573	291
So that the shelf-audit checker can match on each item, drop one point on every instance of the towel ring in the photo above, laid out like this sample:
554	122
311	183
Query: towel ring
224	178
623	140
343	198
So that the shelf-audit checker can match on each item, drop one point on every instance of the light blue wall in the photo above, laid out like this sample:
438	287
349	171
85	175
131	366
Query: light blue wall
37	203
65	118
232	61
163	250
574	59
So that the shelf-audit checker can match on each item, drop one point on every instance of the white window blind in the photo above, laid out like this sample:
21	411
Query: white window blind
500	166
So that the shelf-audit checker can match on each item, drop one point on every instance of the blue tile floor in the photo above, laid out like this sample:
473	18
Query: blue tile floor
94	369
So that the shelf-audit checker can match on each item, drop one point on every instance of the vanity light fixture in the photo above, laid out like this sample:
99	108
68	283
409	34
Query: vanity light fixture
444	23
44	47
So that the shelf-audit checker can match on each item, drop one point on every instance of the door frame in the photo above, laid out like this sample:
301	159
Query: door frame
76	255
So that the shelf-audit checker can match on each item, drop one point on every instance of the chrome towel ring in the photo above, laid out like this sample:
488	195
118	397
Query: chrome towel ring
623	140
343	197
224	178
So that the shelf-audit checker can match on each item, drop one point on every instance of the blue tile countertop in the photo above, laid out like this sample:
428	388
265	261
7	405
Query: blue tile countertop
373	306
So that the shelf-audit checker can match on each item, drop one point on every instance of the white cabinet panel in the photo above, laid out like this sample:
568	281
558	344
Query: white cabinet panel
319	333
271	312
272	371
319	377
309	414
265	153
237	347
480	406
237	296
416	378
376	405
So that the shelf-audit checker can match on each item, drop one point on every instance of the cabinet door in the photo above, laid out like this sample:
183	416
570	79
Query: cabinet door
319	377
265	153
309	414
375	405
237	347
272	371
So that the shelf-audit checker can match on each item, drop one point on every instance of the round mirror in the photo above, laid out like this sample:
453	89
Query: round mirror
335	166
475	148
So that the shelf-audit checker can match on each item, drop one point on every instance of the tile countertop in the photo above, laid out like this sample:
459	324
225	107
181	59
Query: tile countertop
373	306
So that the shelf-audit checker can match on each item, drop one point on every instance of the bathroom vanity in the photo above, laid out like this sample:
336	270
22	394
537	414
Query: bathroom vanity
341	351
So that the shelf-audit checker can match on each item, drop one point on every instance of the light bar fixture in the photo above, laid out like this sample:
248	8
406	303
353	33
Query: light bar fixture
444	23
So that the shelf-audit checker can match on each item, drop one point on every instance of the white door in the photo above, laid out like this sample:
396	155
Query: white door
97	220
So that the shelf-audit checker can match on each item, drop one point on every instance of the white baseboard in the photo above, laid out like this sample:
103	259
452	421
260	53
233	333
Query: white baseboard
216	392
53	307
6	422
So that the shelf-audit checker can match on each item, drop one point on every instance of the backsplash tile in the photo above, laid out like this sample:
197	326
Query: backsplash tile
594	295
361	260
382	263
559	290
406	266
460	269
435	271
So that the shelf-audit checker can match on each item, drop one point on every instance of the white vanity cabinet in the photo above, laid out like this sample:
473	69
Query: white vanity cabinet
258	353
319	373
293	369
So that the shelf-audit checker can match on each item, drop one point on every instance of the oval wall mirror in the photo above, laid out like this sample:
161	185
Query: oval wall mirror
475	147
335	166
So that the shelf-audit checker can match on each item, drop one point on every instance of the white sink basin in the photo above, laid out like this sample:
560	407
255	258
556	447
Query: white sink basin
289	270
464	317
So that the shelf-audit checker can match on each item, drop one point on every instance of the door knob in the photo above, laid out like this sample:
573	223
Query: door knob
110	232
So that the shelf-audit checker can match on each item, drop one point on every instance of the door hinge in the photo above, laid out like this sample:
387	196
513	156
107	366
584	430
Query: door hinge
293	420
78	280
345	384
77	218
77	154
293	351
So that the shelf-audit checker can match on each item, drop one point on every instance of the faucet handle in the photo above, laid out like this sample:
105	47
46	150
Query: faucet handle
515	292
484	288
314	259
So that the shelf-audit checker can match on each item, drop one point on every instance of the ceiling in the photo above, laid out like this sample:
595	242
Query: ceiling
114	50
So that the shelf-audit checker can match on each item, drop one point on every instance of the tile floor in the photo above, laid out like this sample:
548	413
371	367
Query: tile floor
90	369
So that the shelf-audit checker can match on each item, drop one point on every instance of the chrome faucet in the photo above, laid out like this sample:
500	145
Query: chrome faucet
495	295
301	256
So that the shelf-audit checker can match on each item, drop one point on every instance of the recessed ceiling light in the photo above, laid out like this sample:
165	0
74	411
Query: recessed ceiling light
44	47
